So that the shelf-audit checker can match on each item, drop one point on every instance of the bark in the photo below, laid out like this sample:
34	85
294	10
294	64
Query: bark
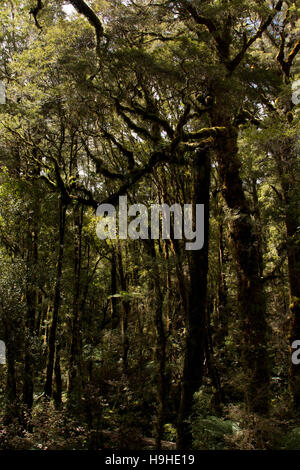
162	385
258	223
75	366
292	228
113	304
28	357
124	312
221	312
11	398
286	162
56	303
57	394
31	300
195	319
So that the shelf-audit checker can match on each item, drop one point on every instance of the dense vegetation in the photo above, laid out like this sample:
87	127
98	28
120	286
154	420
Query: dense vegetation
131	343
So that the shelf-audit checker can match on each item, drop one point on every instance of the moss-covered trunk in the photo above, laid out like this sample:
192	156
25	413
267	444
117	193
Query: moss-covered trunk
248	258
286	159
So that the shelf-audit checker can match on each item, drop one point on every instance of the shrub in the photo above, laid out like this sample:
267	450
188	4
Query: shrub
292	440
209	433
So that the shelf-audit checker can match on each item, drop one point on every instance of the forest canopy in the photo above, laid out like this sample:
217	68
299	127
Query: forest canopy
136	342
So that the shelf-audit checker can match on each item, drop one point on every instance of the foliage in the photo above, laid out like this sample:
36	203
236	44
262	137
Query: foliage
128	343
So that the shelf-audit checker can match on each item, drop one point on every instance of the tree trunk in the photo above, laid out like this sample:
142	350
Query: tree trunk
57	394
196	313
286	165
31	300
160	349
113	301
75	372
247	254
221	310
11	398
124	313
56	303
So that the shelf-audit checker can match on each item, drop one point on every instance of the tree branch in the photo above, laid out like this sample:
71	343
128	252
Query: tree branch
132	125
100	168
263	26
204	133
35	11
92	18
287	64
121	147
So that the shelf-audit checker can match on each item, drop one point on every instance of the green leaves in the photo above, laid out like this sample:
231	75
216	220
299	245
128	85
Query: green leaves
292	440
209	433
126	296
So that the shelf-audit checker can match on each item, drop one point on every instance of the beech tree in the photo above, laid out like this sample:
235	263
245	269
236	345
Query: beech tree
139	342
